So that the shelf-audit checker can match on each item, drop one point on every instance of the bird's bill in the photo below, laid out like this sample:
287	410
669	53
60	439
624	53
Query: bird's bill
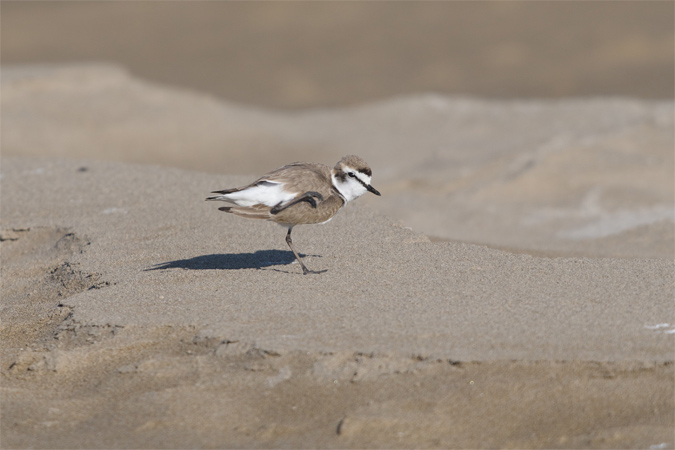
373	190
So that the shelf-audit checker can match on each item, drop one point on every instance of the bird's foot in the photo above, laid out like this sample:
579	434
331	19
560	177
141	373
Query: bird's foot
310	195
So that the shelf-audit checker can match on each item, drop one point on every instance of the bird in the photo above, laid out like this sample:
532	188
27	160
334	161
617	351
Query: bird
300	193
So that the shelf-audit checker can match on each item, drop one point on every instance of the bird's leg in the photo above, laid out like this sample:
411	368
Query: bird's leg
305	270
308	197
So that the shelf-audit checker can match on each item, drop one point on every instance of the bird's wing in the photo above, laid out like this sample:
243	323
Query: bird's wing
300	178
280	186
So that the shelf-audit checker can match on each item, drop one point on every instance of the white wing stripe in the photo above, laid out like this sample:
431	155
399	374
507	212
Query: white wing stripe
270	194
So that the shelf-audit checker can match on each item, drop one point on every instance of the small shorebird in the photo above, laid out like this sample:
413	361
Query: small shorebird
300	193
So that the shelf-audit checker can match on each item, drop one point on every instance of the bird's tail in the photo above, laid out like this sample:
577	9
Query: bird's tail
223	197
252	212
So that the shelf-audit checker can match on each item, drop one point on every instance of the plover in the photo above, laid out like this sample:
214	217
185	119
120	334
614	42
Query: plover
300	193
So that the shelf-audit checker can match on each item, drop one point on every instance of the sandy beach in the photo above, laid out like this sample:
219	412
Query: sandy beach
511	288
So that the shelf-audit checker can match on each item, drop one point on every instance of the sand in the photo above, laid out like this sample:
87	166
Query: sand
512	287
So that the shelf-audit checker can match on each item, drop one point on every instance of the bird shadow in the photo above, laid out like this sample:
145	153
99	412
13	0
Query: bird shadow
231	261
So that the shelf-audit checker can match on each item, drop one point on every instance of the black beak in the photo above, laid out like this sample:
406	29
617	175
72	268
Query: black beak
373	190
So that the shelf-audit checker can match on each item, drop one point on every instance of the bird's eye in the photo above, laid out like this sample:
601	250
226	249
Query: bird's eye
352	174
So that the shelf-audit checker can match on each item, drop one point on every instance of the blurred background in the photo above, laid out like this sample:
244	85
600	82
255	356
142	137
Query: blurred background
316	54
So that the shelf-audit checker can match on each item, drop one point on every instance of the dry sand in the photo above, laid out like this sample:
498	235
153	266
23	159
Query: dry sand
135	315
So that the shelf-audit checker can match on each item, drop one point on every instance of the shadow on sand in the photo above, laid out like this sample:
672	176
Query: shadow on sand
232	261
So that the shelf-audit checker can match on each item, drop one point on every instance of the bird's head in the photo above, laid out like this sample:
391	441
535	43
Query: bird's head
351	177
